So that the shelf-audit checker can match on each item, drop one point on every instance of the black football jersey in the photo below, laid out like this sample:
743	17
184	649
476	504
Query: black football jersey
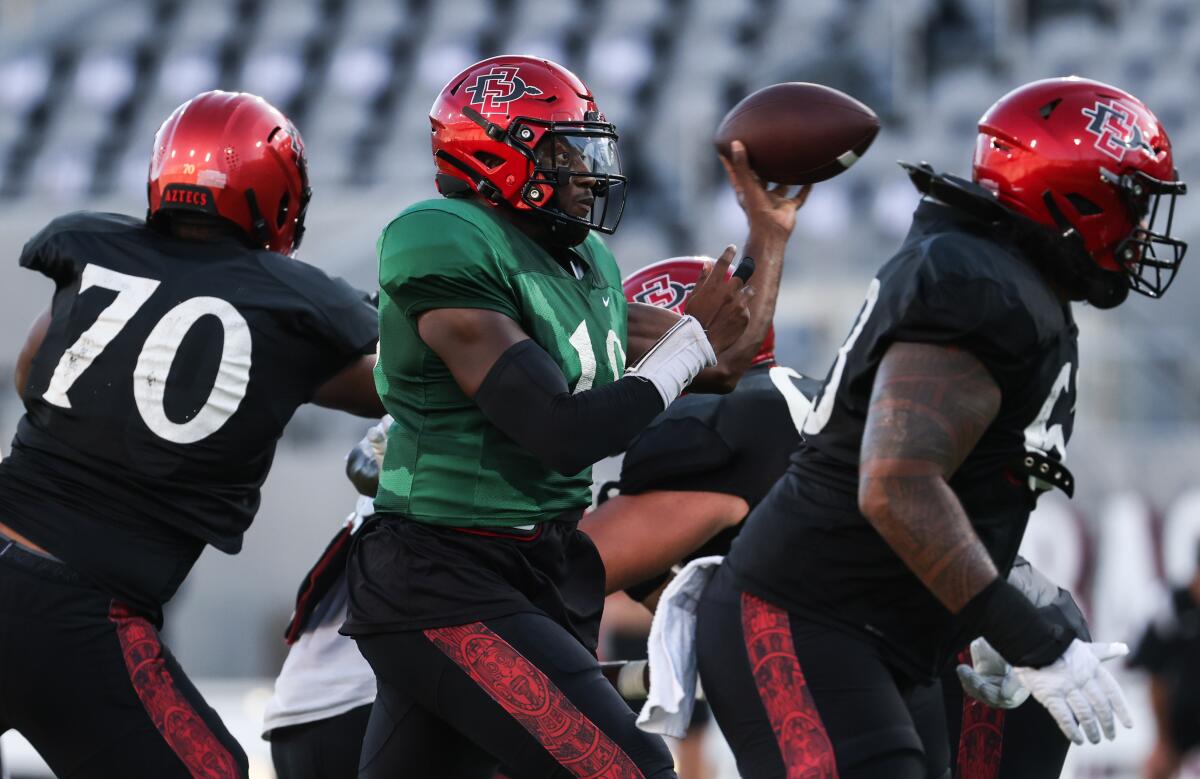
154	404
737	444
807	546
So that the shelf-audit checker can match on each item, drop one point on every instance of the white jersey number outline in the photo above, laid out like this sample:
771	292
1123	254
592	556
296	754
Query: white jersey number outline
581	341
819	416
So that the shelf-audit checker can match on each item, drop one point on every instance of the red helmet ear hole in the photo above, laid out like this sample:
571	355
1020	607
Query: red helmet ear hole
490	161
1084	206
999	145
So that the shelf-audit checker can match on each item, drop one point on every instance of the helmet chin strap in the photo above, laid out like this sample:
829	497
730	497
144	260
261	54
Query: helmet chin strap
1059	254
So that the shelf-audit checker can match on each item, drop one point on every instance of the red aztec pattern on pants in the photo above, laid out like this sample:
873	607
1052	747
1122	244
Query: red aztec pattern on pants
534	701
803	743
181	727
981	738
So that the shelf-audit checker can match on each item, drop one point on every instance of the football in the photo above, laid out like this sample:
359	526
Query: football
799	133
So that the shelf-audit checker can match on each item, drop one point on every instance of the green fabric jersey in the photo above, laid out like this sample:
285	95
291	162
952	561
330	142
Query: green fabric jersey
446	463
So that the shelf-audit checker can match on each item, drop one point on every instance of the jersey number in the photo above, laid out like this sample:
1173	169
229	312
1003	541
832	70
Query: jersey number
1043	437
819	417
581	339
157	355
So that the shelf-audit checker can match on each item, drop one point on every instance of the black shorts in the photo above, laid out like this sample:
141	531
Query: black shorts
483	646
796	698
405	575
323	749
87	681
1020	743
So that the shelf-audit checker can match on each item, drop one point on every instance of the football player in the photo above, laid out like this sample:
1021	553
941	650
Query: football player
1168	650
316	719
885	547
156	385
472	593
689	479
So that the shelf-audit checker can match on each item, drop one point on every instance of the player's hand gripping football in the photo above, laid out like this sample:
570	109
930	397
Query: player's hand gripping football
767	208
1079	693
719	301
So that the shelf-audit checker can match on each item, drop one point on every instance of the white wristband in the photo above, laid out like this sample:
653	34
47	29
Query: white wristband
674	361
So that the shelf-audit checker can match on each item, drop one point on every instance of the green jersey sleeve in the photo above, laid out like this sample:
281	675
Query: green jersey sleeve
435	259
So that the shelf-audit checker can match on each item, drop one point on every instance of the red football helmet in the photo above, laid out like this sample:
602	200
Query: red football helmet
517	130
232	154
1084	157
667	284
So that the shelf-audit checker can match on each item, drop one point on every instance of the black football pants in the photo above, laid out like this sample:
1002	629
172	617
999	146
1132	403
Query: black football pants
799	699
455	702
323	749
88	682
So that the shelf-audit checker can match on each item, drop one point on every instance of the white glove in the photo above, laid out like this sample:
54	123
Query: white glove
377	438
991	680
1079	693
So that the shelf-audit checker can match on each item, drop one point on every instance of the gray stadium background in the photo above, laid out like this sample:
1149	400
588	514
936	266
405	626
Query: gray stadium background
84	84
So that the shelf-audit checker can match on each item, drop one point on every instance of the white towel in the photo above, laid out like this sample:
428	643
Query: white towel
672	651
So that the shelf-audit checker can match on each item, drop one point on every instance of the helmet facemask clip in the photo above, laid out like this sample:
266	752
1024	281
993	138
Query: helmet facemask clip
591	151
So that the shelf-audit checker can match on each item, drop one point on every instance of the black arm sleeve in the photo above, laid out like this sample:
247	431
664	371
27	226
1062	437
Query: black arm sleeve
526	396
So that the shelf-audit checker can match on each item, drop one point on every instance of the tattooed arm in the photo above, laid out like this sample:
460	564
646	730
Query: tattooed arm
929	407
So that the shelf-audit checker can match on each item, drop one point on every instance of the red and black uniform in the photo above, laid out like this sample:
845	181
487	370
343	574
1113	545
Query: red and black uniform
168	372
811	597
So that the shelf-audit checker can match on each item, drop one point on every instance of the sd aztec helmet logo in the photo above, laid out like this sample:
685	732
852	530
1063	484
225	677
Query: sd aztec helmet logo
501	85
662	292
1116	129
668	283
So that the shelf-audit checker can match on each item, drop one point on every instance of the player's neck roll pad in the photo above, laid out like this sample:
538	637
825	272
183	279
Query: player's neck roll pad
675	360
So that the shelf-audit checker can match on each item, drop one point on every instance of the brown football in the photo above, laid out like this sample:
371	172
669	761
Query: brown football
799	133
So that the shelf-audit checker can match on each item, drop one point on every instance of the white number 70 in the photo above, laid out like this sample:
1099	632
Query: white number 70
157	354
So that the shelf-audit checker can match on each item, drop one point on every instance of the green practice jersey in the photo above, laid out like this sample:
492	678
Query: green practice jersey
446	463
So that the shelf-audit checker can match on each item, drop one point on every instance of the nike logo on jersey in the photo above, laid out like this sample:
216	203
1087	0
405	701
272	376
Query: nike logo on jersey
605	300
